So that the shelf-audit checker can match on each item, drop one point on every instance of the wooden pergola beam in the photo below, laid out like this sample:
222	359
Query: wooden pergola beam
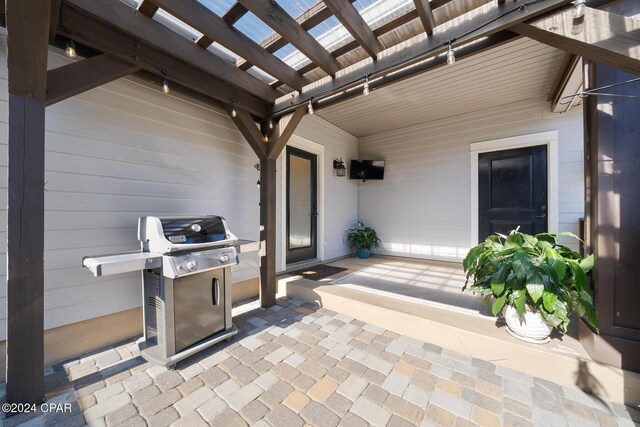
193	13
418	49
101	36
426	15
54	19
568	65
356	25
235	12
267	153
155	34
601	36
277	18
28	33
73	79
147	8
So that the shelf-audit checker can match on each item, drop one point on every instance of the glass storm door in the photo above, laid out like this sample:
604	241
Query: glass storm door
302	205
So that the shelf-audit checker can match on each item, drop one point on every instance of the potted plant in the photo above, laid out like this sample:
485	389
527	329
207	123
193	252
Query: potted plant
535	282
363	239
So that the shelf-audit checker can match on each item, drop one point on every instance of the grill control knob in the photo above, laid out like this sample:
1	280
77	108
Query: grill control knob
192	265
224	258
196	228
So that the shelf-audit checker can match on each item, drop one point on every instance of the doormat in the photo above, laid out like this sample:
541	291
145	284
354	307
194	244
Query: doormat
318	272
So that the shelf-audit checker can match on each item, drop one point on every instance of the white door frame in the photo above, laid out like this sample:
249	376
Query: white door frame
550	139
313	148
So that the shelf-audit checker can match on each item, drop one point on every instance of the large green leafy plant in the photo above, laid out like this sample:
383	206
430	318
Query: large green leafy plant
363	238
534	272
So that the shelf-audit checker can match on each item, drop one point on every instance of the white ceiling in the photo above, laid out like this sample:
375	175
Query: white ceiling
521	69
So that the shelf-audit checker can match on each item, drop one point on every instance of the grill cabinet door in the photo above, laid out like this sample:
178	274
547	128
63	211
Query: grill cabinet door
199	307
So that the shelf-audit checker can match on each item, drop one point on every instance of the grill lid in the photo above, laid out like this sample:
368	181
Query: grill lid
171	234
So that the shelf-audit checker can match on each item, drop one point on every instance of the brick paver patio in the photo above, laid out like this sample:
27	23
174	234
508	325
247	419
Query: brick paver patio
295	365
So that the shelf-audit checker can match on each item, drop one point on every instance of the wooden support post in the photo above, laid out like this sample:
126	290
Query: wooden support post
267	154
268	281
28	34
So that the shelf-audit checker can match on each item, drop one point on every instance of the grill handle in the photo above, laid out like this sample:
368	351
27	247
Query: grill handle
215	291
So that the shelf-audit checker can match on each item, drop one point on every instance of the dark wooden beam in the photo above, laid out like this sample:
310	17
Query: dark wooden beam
248	128
193	13
153	33
73	79
268	221
426	15
277	18
103	37
568	65
147	8
279	141
357	27
601	36
493	20
28	35
54	19
235	12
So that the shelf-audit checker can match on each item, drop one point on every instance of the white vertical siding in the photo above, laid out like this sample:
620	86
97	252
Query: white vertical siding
121	151
422	208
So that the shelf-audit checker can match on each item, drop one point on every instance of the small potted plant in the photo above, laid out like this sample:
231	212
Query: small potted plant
535	282
363	239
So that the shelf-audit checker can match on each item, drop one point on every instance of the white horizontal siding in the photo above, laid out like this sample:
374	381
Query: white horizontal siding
422	207
125	150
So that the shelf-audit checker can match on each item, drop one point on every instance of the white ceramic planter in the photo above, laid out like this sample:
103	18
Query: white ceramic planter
531	327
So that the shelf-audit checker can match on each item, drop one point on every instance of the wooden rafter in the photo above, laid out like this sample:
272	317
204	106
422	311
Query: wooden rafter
196	15
147	8
601	36
278	19
103	37
235	12
77	77
155	34
54	19
249	130
357	27
276	145
426	15
493	20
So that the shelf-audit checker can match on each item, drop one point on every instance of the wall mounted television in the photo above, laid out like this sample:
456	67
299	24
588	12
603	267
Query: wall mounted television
366	169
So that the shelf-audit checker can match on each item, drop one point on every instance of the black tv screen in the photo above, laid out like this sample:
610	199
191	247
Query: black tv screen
366	169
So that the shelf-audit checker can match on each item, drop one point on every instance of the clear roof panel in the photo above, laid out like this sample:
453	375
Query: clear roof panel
219	7
253	27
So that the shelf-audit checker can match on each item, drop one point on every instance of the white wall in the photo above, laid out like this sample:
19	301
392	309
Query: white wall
124	150
422	207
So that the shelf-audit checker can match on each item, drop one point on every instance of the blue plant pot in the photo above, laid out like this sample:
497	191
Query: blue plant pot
363	253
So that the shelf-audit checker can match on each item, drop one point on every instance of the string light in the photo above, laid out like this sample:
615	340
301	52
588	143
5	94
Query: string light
234	113
451	55
578	9
71	49
165	86
270	123
310	107
265	137
365	90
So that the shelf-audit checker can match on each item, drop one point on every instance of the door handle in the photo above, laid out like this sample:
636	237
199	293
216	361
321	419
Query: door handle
543	216
215	291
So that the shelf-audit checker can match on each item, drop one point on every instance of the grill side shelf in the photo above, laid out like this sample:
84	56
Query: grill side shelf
107	265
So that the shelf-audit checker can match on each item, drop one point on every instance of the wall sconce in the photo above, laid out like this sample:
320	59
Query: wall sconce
339	167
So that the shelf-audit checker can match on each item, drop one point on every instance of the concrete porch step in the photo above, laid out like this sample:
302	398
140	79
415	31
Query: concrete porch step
563	360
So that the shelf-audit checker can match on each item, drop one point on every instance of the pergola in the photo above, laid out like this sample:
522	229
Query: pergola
118	39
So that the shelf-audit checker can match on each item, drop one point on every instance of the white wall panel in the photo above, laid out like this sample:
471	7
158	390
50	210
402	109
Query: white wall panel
422	207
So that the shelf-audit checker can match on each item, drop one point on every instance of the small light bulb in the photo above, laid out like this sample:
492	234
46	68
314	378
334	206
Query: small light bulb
270	124
451	56
265	138
578	9
258	184
365	90
71	49
165	86
310	108
234	113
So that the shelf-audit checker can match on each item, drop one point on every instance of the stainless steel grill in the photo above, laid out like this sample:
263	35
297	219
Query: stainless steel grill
186	281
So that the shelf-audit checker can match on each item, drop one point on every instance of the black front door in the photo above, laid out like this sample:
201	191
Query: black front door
512	188
302	205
